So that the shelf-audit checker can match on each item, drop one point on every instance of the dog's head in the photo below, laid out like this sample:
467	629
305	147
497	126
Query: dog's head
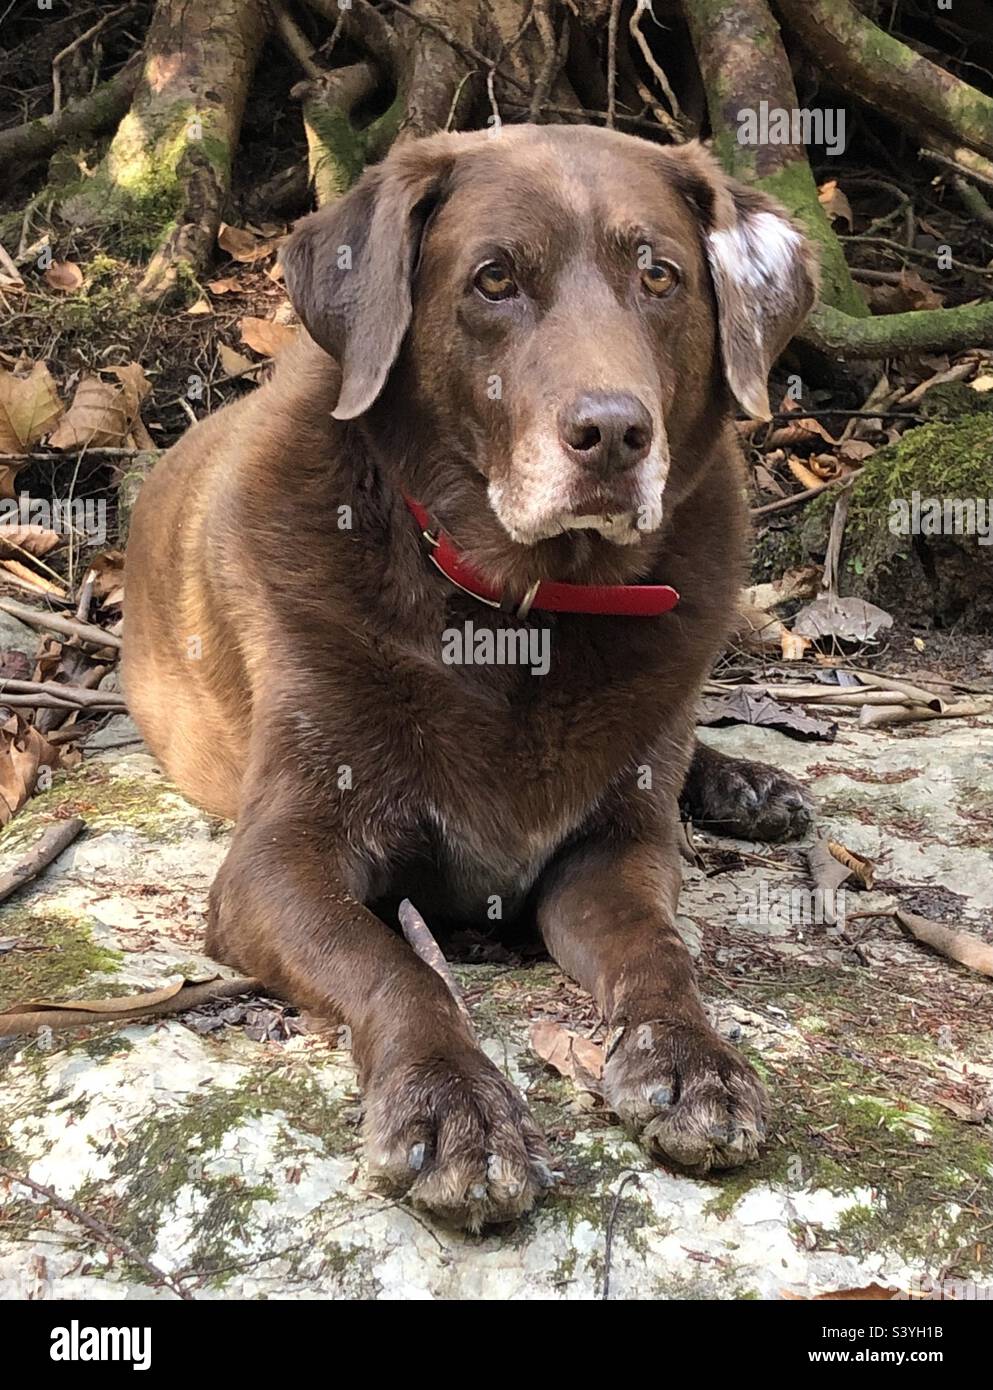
564	309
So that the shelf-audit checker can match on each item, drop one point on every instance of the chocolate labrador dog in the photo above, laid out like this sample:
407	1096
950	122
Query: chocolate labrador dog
429	613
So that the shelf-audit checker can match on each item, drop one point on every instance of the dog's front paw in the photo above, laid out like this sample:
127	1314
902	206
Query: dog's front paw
748	800
686	1095
457	1138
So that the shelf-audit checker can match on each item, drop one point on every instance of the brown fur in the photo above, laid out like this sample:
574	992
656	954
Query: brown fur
285	668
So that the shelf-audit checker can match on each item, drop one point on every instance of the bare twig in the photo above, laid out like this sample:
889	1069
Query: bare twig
611	1223
74	695
77	43
45	849
17	1022
419	936
54	622
785	503
634	24
612	27
98	1228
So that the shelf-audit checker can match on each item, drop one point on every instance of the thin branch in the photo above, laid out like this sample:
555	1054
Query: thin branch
45	849
34	617
98	1228
634	24
98	110
612	26
419	937
76	44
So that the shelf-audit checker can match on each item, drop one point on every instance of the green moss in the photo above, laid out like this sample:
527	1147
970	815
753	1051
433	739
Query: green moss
148	804
106	305
68	957
137	189
952	400
794	187
947	578
166	1154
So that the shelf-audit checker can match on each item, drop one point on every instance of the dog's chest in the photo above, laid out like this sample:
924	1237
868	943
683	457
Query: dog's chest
491	769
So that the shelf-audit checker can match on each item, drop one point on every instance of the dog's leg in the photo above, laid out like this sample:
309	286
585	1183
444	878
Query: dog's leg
750	800
607	915
440	1121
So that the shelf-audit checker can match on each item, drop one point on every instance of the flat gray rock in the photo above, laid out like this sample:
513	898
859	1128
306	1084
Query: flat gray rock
222	1146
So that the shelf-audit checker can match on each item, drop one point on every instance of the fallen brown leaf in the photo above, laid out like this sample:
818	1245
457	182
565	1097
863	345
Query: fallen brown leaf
962	947
740	707
841	619
244	246
28	539
64	275
265	336
572	1056
102	414
107	569
29	408
834	203
23	751
234	363
872	1293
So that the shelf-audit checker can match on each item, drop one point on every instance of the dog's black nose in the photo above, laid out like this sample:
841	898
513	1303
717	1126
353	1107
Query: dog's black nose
606	431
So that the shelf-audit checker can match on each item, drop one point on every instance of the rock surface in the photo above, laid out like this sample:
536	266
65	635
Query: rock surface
221	1146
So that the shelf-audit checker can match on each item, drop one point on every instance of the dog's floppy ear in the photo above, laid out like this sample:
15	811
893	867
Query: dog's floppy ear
764	272
348	268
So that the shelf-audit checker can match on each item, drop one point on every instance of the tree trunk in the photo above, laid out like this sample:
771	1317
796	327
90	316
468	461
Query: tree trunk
168	168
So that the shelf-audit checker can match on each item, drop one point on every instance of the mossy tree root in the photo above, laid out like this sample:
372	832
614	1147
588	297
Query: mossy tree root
889	75
168	168
336	151
88	115
743	62
899	335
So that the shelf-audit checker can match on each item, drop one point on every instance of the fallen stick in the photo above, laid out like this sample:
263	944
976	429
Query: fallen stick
917	694
97	1227
16	1022
44	850
34	617
874	717
959	946
50	702
818	694
419	937
784	503
76	694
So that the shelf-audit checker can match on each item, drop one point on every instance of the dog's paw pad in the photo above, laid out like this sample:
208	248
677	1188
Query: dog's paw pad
688	1097
752	801
456	1139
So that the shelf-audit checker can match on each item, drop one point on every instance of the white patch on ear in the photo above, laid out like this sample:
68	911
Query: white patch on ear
754	265
757	252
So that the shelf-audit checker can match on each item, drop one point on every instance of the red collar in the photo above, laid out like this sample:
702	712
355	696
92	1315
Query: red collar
618	600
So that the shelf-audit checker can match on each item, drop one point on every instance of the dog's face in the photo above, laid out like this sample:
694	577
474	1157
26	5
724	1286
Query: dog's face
558	304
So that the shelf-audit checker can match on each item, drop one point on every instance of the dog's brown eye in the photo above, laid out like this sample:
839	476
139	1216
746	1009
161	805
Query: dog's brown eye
660	278
494	281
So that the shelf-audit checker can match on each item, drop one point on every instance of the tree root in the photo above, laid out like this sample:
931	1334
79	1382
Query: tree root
97	111
336	151
889	75
742	61
898	335
169	163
